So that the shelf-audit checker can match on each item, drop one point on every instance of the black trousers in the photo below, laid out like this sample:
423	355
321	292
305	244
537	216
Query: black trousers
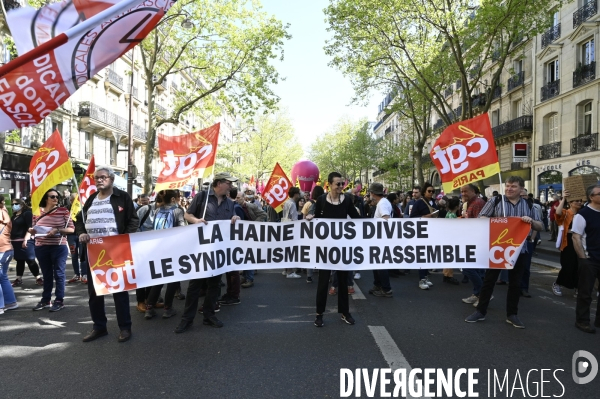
342	292
514	287
589	271
142	294
98	312
213	290
169	294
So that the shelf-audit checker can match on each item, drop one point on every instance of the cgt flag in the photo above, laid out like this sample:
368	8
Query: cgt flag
276	190
187	156
465	152
61	46
49	166
86	188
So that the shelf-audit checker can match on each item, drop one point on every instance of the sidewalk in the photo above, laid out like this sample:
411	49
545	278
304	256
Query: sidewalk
546	252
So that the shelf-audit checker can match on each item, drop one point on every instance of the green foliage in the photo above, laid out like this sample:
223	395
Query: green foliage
227	53
348	149
258	147
13	136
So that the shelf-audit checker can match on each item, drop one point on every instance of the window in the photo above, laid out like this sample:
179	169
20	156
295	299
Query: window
552	71
587	52
555	19
518	109
518	66
584	119
495	118
553	133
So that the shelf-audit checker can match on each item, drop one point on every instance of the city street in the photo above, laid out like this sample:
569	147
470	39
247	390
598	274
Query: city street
270	348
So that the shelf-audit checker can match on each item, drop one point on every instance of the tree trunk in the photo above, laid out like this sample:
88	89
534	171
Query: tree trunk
2	143
150	143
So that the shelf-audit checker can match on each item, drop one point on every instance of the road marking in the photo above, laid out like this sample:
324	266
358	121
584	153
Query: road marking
53	322
15	351
358	293
390	351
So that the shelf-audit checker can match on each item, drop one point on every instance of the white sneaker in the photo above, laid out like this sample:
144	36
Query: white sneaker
423	284
283	273
556	289
12	306
293	275
471	299
429	283
475	304
1	311
357	276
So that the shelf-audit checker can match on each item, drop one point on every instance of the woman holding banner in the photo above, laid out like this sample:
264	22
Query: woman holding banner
50	229
333	205
425	207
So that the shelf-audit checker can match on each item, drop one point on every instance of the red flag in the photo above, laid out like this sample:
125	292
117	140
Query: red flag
86	188
186	156
465	152
49	166
251	180
58	56
276	190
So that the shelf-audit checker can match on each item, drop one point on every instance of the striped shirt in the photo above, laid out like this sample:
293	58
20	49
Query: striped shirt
58	219
100	220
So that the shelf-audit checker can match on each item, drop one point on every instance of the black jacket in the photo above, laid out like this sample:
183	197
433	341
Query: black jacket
125	216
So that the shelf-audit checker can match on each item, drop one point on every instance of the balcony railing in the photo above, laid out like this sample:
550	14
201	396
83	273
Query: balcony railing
438	124
584	13
549	151
584	143
448	92
135	91
89	109
140	132
114	78
584	74
160	110
478	100
497	93
552	89
524	122
128	54
550	35
457	113
516	80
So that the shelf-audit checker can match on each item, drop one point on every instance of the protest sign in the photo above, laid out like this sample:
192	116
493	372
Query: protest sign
131	261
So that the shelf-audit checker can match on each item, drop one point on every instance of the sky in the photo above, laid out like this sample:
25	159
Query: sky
315	95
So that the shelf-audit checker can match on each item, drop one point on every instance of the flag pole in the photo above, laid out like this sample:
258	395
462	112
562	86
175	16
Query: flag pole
79	196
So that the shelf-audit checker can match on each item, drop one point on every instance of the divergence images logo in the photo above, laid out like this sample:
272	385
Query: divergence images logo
582	363
112	265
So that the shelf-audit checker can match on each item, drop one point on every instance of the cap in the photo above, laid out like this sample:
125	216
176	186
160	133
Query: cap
225	176
376	188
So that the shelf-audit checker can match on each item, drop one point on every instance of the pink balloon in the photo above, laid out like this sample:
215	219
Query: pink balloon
307	173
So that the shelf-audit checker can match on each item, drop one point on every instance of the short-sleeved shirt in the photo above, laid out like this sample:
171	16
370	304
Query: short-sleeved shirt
100	220
579	225
290	210
214	211
384	208
58	219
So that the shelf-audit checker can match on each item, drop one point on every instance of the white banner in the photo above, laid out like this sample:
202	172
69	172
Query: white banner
131	261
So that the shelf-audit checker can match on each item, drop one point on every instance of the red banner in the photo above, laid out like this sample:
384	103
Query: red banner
87	188
187	156
49	166
465	153
507	236
276	190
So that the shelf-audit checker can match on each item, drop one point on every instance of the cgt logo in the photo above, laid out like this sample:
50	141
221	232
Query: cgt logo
584	362
506	237
112	265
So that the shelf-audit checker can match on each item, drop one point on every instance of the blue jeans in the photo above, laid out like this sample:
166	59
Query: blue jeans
476	277
7	294
249	275
53	262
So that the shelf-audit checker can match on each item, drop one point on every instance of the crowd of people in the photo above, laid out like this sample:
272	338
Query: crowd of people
44	242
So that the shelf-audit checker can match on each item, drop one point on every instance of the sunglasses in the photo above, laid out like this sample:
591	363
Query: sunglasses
53	196
340	184
429	191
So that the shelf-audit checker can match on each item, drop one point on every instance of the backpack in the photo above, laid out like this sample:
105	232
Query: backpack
164	218
498	198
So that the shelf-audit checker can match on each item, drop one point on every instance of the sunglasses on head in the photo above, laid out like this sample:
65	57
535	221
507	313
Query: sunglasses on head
53	196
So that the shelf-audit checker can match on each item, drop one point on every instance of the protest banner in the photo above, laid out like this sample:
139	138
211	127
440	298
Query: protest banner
61	46
49	166
276	190
87	188
465	153
124	262
186	156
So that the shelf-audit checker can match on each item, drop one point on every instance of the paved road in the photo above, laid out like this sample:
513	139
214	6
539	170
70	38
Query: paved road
269	347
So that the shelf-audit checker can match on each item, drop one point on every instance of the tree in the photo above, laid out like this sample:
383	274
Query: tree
259	146
225	54
348	149
420	47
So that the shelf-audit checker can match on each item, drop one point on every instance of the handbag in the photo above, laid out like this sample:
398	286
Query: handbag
559	236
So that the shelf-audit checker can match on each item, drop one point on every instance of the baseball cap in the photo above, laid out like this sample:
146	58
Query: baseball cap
225	176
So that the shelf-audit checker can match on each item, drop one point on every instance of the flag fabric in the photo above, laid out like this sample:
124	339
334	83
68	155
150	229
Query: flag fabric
187	156
61	46
465	153
86	188
49	166
251	181
276	190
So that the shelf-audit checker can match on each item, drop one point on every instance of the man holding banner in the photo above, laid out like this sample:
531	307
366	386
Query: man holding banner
107	212
206	206
510	205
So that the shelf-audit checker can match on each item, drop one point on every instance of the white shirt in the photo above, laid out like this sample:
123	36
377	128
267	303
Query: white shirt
384	208
100	220
579	225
